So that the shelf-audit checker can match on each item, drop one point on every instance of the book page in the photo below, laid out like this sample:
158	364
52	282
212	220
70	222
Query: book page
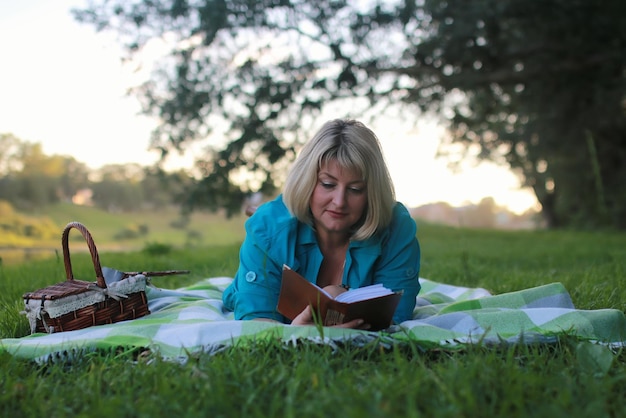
362	293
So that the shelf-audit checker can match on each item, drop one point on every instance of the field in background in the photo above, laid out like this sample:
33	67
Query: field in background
122	231
591	265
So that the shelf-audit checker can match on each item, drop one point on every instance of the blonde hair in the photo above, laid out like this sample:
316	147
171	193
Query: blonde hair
355	147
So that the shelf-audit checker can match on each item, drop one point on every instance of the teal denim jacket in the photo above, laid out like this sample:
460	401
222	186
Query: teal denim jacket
275	238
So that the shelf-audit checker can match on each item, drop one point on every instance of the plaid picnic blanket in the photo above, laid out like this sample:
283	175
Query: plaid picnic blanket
192	320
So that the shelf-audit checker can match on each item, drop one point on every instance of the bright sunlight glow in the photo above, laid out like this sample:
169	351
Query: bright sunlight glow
64	86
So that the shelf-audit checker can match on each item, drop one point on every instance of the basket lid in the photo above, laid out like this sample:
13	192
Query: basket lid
60	290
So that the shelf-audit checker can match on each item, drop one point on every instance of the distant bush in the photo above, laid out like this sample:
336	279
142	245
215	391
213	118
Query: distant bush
194	237
132	231
180	223
6	210
157	248
16	228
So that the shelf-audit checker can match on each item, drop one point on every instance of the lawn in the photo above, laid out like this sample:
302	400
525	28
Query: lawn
268	379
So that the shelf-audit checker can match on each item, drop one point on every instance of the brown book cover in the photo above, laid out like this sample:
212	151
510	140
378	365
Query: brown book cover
374	304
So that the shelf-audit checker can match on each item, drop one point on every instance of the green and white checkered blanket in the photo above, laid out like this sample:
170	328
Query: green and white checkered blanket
191	320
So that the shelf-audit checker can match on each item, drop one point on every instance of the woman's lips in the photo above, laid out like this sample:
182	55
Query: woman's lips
335	214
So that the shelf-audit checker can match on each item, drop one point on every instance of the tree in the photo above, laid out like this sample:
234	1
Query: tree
118	187
535	85
74	177
30	179
129	187
9	148
162	188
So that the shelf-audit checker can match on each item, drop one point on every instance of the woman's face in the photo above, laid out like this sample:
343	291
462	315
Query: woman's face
338	200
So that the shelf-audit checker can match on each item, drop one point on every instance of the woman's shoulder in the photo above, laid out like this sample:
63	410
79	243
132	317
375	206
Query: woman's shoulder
270	219
401	214
400	233
402	223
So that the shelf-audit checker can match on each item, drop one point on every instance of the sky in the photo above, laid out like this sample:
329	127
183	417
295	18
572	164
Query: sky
64	86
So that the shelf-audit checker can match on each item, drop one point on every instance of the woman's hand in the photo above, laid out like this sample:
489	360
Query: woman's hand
306	318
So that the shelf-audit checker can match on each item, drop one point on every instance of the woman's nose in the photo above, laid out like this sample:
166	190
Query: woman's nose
339	197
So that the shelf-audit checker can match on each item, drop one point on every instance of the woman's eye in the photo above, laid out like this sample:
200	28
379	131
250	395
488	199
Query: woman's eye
327	185
356	190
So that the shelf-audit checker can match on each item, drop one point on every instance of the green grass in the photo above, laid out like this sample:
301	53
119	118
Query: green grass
269	379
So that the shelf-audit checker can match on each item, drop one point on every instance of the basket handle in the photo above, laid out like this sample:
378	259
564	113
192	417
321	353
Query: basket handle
92	249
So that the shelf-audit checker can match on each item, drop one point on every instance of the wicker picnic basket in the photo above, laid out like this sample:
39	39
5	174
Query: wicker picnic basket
75	304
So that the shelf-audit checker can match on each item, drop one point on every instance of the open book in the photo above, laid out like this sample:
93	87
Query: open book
374	304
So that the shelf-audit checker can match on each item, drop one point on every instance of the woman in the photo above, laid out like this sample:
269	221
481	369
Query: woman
337	224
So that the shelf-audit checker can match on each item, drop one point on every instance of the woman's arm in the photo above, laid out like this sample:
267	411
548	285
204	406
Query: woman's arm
399	265
256	285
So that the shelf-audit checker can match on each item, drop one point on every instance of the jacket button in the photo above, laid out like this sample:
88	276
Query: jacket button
250	276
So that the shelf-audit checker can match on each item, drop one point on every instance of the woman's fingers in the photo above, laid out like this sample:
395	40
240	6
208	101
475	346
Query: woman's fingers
306	318
355	324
